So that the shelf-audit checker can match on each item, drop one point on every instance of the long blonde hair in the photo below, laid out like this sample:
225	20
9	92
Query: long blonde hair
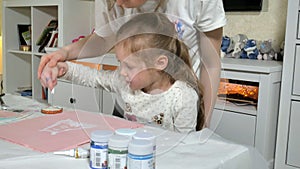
155	34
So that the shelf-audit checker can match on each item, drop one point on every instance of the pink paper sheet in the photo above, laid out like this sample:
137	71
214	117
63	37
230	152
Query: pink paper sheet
60	131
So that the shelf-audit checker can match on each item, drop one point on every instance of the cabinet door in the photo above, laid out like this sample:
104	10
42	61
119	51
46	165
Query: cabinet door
76	97
293	154
108	102
296	85
236	127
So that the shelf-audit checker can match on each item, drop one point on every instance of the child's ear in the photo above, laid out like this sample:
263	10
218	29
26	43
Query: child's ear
161	62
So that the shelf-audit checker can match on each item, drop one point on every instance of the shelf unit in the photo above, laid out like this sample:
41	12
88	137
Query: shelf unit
288	138
254	124
75	18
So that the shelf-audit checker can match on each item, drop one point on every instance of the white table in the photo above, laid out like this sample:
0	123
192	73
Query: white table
197	150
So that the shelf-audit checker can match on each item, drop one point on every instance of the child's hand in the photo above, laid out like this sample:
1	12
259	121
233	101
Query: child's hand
50	74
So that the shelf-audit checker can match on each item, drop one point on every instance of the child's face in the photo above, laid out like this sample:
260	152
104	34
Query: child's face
130	3
136	73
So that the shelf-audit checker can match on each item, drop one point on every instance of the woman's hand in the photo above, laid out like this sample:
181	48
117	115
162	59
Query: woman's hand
51	60
50	74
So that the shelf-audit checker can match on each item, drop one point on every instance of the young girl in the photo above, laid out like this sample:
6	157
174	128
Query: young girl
199	23
154	79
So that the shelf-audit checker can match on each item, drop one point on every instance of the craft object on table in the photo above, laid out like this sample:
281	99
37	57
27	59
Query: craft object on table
63	131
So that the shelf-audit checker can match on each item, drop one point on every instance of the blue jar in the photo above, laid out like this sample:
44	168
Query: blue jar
99	149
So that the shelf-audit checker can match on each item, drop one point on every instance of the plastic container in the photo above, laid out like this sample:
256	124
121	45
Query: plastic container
99	149
128	132
117	152
141	135
140	155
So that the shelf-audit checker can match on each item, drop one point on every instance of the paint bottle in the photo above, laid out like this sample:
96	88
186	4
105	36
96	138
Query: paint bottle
140	154
142	135
99	149
117	151
128	132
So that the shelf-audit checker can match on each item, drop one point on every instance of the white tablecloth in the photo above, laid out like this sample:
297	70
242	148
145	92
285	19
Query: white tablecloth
199	150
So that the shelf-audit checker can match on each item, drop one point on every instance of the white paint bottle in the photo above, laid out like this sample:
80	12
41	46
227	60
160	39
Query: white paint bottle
144	135
140	155
128	132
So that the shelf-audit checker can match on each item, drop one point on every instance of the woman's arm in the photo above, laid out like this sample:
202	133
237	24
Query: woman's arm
90	46
210	69
215	37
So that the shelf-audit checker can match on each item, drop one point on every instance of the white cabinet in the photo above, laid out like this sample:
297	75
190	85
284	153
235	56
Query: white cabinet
293	149
75	18
251	124
296	89
222	122
288	138
76	97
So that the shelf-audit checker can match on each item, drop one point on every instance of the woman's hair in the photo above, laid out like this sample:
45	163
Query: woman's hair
153	35
111	3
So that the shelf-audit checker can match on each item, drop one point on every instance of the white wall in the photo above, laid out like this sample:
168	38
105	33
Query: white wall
264	25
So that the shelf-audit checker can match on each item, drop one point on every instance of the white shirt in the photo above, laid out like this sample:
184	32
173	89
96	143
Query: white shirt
203	15
174	109
196	16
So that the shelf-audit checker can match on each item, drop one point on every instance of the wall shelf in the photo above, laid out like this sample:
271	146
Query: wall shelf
16	51
229	106
20	67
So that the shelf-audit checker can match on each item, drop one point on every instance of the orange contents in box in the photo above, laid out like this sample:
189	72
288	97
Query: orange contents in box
246	91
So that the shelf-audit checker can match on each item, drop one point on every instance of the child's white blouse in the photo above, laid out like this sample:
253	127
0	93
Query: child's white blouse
174	109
